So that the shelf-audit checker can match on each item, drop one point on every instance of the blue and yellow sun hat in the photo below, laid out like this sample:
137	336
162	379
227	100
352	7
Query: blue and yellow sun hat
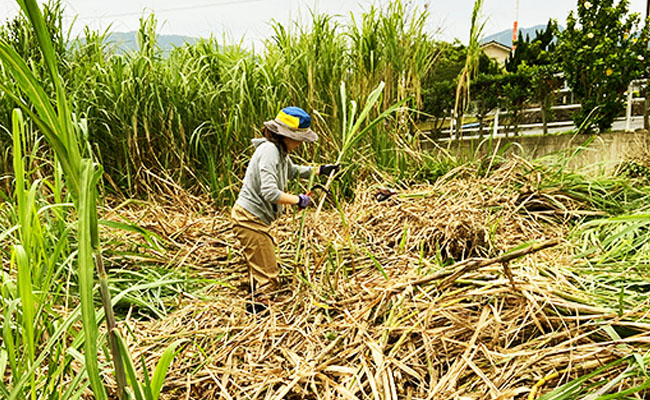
294	123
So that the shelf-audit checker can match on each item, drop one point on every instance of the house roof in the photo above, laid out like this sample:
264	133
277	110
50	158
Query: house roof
496	44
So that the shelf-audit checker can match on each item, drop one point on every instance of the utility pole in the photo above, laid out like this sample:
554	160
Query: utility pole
516	25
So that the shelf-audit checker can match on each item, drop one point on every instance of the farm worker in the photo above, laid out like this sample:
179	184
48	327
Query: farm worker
263	195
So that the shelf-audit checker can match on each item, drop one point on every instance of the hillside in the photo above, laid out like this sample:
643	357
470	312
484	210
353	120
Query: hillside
126	41
505	37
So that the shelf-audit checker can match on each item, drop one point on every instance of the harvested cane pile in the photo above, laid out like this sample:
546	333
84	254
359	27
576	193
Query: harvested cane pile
372	312
460	216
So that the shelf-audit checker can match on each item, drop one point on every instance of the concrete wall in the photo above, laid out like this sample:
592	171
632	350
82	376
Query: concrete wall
601	153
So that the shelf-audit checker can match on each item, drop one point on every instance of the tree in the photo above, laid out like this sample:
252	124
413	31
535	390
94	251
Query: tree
600	53
544	82
439	86
438	102
451	59
537	58
539	51
486	89
516	93
439	90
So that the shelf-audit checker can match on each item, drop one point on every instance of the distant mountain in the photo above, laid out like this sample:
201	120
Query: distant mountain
126	41
505	37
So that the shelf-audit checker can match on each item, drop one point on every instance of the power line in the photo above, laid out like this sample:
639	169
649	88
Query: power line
178	8
69	4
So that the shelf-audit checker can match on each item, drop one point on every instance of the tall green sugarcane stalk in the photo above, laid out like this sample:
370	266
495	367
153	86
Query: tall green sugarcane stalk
81	175
352	131
20	255
470	70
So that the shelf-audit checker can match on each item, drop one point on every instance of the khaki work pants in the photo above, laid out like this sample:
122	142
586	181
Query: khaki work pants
259	249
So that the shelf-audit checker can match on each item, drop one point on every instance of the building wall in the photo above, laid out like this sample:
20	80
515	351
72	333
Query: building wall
496	53
601	153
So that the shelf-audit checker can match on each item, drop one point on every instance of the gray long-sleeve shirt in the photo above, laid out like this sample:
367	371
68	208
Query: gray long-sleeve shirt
265	180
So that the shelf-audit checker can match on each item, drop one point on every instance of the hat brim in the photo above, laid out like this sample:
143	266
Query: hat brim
302	135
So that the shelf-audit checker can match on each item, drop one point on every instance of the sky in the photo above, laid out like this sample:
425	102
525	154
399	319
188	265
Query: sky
248	19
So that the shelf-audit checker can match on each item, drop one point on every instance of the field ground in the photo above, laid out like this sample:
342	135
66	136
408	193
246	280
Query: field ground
404	298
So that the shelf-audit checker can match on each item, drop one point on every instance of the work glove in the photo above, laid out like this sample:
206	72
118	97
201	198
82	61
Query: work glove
303	201
327	169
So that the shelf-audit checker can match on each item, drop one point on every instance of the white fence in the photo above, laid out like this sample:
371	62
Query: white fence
628	123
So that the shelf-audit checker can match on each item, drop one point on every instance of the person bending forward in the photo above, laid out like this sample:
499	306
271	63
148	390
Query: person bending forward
262	196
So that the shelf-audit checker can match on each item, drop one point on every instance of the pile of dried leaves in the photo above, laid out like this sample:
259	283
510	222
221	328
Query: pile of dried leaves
413	297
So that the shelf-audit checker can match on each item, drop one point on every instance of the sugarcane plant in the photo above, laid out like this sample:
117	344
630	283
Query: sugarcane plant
470	70
81	175
54	119
354	127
